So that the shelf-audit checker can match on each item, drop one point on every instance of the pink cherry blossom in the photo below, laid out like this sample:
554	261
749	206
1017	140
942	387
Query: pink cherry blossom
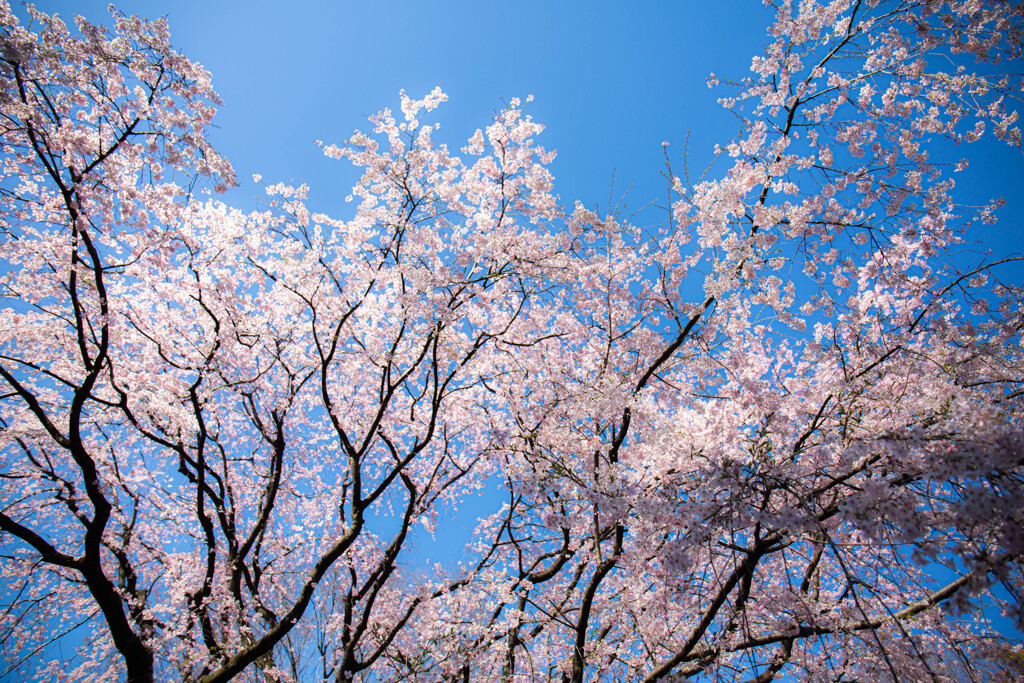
779	435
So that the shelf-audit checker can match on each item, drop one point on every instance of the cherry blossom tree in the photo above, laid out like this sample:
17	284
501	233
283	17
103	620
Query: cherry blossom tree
777	434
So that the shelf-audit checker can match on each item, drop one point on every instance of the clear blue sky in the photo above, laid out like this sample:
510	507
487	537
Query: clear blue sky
611	80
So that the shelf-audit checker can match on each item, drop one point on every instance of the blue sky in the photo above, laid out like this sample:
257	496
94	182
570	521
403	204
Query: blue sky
611	81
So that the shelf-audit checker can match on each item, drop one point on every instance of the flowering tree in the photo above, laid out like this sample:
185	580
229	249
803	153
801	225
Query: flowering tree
779	434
